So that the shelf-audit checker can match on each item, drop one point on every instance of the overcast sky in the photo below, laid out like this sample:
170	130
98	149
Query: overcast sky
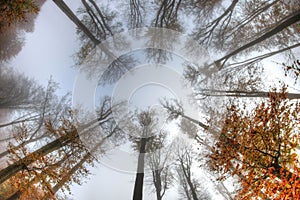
49	49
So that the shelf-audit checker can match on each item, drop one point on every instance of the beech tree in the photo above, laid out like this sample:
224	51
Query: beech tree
146	122
13	12
17	18
191	188
32	105
160	164
53	165
17	91
260	146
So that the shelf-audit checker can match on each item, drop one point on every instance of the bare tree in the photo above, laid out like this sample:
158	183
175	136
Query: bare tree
66	140
190	187
167	15
17	91
136	13
159	161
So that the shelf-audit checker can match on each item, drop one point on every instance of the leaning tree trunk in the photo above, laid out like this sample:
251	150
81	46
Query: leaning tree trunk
241	93
293	18
14	168
63	6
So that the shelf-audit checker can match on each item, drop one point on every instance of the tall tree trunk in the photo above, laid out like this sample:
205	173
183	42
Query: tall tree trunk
157	184
291	19
202	125
139	180
261	57
5	153
239	93
63	6
14	168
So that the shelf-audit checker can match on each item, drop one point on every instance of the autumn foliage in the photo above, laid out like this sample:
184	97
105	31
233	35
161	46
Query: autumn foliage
259	148
41	173
13	12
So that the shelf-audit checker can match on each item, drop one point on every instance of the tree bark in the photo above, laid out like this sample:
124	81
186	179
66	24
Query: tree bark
239	93
291	19
139	180
63	6
14	168
157	184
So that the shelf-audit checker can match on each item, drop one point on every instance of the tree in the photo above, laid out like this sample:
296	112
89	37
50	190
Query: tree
32	105
238	93
260	148
63	6
17	91
159	162
17	18
167	15
190	187
13	12
288	21
136	13
243	28
54	164
146	121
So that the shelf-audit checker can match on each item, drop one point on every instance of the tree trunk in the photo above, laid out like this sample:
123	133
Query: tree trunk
14	168
261	57
157	184
195	121
139	180
239	93
293	18
189	181
61	4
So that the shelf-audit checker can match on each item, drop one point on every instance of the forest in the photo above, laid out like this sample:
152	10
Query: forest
170	99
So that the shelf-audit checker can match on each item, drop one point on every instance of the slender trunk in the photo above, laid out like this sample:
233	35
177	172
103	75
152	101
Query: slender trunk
195	121
293	18
239	93
5	153
157	184
187	176
261	57
22	164
61	4
15	122
139	180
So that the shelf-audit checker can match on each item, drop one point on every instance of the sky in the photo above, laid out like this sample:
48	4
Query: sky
49	49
